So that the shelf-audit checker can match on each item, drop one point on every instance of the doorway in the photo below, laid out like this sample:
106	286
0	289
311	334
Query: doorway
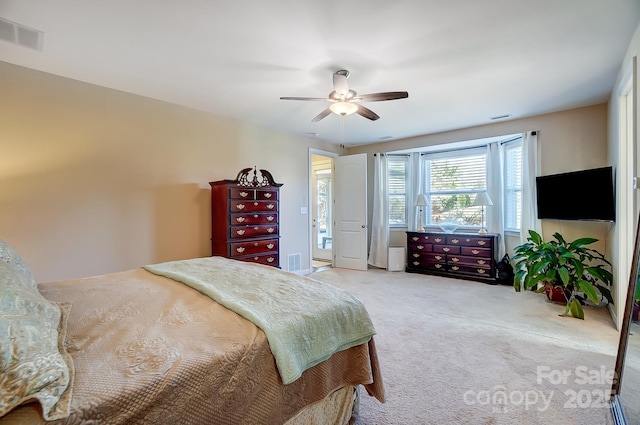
321	178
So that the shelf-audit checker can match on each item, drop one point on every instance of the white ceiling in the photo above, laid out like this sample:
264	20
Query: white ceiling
462	61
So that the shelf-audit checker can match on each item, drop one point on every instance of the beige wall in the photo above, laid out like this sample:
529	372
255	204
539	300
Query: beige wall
569	140
93	180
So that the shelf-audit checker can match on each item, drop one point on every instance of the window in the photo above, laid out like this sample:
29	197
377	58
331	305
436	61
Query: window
512	185
451	181
397	177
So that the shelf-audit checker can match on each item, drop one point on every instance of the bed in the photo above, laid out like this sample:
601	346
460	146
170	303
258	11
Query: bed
162	344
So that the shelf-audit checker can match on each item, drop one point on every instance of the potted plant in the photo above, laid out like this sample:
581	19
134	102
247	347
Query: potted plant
570	268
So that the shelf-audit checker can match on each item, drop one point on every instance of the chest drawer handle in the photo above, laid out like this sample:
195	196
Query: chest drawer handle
255	244
256	216
445	249
481	271
270	230
255	258
240	232
455	240
438	266
270	259
482	242
416	255
267	195
475	252
420	247
270	206
438	257
244	194
271	218
240	219
456	268
481	262
240	249
455	259
438	239
255	204
270	246
240	206
416	263
415	238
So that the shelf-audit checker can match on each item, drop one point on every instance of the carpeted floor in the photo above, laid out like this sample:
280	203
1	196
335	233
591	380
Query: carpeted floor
463	352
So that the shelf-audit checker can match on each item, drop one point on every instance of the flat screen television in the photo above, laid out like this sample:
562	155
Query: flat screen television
578	195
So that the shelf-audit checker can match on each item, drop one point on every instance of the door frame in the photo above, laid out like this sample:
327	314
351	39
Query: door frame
312	152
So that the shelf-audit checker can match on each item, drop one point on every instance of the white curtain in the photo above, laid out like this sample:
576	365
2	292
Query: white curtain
413	189
495	190
378	251
530	169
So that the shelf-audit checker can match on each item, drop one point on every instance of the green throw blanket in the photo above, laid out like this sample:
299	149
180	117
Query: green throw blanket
305	321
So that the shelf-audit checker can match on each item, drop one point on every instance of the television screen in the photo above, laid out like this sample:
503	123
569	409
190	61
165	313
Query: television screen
579	195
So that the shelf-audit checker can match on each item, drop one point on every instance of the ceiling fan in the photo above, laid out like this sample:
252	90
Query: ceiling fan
345	101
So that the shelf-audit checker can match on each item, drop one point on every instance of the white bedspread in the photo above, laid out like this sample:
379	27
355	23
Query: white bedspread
305	321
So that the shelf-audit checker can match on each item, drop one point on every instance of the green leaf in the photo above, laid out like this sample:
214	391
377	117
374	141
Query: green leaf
582	242
564	275
576	309
535	237
589	290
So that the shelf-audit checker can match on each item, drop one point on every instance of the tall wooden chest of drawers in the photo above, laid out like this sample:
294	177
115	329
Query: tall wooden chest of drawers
462	255
245	220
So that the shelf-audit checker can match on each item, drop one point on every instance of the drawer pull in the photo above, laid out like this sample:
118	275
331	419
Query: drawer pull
475	252
438	239
240	232
270	230
455	268
416	263
415	255
481	271
255	258
240	206
438	266
271	218
270	245
240	249
481	262
455	240
455	259
270	259
446	249
256	216
267	195
255	204
415	238
482	242
244	194
240	219
420	247
270	206
255	244
438	257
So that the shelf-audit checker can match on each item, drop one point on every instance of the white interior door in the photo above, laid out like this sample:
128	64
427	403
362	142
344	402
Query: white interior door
350	212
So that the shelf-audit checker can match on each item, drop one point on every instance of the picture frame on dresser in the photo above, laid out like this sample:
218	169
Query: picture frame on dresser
469	256
245	217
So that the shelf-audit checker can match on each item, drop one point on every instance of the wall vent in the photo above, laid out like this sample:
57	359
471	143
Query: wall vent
21	35
294	262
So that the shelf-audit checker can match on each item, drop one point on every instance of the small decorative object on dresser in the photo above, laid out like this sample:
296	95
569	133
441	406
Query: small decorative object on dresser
461	255
245	218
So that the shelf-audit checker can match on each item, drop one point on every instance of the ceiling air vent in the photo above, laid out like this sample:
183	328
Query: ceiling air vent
21	35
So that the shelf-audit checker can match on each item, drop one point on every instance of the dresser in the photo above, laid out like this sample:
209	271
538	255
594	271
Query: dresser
462	255
245	220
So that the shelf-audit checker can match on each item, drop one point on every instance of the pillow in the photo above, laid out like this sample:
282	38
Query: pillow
11	256
33	365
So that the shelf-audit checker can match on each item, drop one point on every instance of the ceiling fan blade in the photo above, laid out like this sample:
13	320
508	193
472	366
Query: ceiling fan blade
367	113
304	98
321	115
376	97
340	84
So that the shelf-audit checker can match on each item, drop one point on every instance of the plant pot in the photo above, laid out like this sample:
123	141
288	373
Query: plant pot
557	294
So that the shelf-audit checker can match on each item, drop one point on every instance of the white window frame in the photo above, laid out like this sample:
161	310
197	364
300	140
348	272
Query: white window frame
406	160
512	187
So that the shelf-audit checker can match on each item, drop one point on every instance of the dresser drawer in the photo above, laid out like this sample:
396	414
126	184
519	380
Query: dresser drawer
470	261
255	218
419	238
446	249
242	193
476	252
420	247
240	249
471	270
251	231
252	206
266	259
267	195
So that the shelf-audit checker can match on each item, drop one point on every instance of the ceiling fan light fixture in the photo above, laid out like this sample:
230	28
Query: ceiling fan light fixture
343	108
